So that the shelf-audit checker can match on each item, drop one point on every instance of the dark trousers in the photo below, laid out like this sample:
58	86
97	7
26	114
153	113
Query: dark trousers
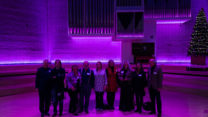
99	99
126	98
111	99
44	101
85	98
73	105
139	100
57	99
155	95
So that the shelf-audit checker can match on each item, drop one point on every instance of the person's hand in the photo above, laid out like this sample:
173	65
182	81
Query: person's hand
105	88
145	89
36	89
73	88
158	89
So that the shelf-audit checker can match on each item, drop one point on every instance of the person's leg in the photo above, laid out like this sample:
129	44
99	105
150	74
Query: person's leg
70	102
97	99
54	100
76	101
140	103
41	102
137	101
152	97
61	104
101	100
108	98
87	99
159	105
81	100
47	101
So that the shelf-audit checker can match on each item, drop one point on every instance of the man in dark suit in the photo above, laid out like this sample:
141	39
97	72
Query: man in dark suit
155	77
43	84
87	83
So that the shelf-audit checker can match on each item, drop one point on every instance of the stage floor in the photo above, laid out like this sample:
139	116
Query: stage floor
173	105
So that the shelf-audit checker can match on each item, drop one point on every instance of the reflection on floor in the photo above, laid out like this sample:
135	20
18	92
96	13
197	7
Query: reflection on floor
173	105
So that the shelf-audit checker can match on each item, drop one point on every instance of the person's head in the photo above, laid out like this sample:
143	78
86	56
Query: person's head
152	62
46	63
86	65
126	66
139	66
58	64
75	68
111	63
98	65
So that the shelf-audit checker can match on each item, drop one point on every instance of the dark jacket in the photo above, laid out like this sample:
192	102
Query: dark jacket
58	76
124	78
43	79
139	81
87	78
155	77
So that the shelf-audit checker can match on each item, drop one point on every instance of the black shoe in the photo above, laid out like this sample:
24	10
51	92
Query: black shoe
76	114
151	113
42	114
60	114
136	110
111	108
140	111
80	111
86	111
54	114
47	114
159	115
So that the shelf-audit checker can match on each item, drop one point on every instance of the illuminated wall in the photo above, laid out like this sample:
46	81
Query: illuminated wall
23	31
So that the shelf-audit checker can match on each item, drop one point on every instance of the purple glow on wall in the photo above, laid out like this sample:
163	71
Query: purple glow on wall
92	49
172	43
172	21
97	38
130	35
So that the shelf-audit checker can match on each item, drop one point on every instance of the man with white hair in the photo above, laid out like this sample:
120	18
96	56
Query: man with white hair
155	77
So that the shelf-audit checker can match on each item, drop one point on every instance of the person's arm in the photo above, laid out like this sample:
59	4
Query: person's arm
92	79
37	79
144	79
160	79
69	81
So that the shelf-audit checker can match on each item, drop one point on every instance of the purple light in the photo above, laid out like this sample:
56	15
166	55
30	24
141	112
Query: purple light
131	35
172	21
92	37
173	61
20	62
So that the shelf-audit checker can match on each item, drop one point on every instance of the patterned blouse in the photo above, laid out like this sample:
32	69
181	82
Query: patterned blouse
100	80
72	80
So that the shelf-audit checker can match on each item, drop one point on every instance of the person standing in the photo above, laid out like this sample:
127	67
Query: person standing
58	76
87	83
43	84
112	84
73	84
100	85
155	77
125	82
139	83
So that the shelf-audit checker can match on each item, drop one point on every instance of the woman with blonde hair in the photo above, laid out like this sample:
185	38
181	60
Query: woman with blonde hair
125	82
100	84
73	84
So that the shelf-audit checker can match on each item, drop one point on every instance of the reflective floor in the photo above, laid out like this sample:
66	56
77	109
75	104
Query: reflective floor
173	105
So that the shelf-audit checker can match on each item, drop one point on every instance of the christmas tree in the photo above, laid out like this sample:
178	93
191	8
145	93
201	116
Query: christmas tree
199	42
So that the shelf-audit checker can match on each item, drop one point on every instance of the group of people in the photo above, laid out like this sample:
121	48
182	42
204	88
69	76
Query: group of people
79	83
